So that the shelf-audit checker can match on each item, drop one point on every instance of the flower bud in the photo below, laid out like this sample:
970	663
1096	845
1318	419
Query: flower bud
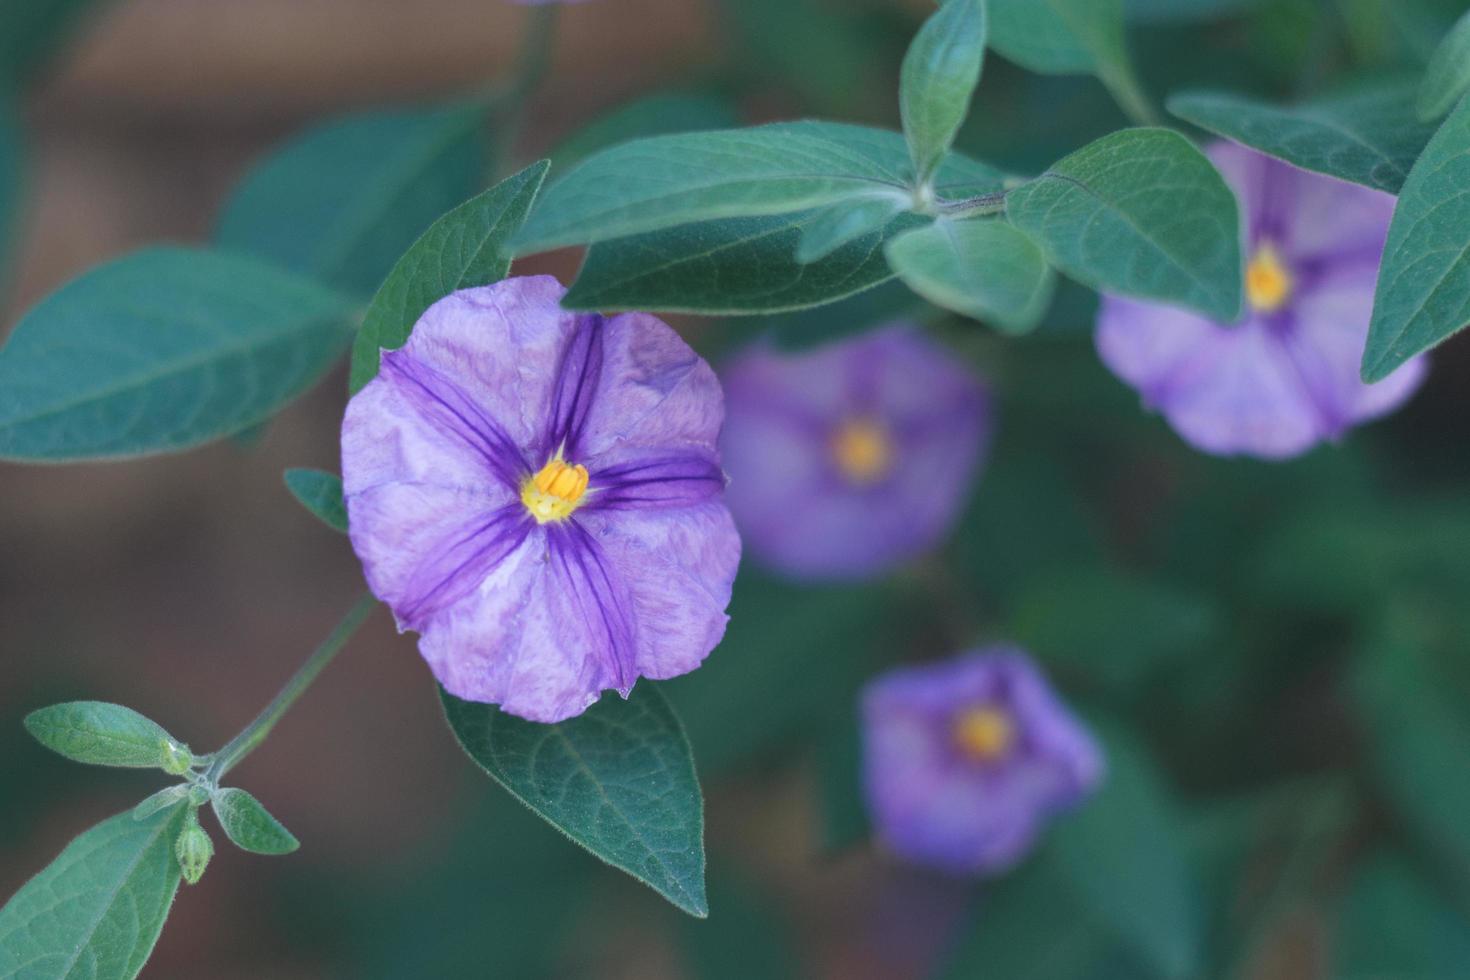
176	758
193	848
198	795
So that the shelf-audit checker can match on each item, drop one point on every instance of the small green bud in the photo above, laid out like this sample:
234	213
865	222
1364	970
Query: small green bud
177	759
193	848
198	796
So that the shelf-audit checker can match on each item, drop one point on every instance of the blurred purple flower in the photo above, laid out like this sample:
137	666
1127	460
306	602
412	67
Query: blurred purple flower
1286	377
538	493
851	458
964	761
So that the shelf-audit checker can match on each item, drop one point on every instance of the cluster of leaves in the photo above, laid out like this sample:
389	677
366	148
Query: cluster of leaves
167	349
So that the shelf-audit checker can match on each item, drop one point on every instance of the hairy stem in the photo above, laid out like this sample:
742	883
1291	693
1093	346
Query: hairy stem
254	733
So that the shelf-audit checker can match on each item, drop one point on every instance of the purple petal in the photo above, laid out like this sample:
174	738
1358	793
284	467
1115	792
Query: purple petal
656	392
678	567
675	480
1326	345
446	408
601	598
798	511
577	380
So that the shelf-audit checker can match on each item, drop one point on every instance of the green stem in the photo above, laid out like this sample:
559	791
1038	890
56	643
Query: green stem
254	733
974	207
1123	84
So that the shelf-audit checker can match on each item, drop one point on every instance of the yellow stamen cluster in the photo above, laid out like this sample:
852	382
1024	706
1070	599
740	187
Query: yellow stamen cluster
984	733
862	451
556	491
1268	282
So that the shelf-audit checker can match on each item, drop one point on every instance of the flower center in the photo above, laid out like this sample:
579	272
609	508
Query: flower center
862	450
556	491
1268	281
984	733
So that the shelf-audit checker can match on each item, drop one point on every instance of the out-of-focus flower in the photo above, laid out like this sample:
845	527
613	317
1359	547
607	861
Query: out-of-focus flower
851	458
538	493
1286	377
965	761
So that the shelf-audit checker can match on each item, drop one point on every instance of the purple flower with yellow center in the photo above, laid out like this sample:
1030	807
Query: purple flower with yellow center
1286	377
965	761
538	493
853	457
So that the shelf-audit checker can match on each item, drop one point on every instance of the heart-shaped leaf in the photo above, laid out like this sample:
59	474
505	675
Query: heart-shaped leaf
466	247
96	911
160	351
618	780
1142	213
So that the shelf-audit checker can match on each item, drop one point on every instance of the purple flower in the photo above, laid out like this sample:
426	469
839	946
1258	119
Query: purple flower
964	761
1286	377
849	459
538	493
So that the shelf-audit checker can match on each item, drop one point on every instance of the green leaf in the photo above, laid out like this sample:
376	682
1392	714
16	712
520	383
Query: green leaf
1141	213
750	265
1395	926
97	910
1424	282
1366	136
618	780
1448	77
162	800
664	181
940	72
1123	853
982	268
160	351
466	247
321	493
828	229
248	825
1059	37
342	201
102	734
654	115
728	266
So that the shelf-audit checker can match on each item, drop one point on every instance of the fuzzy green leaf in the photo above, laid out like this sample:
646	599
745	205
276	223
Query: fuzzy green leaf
464	248
1367	136
1424	281
342	201
1448	77
321	493
940	72
1142	213
102	734
618	780
984	269
664	181
160	351
96	911
248	825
